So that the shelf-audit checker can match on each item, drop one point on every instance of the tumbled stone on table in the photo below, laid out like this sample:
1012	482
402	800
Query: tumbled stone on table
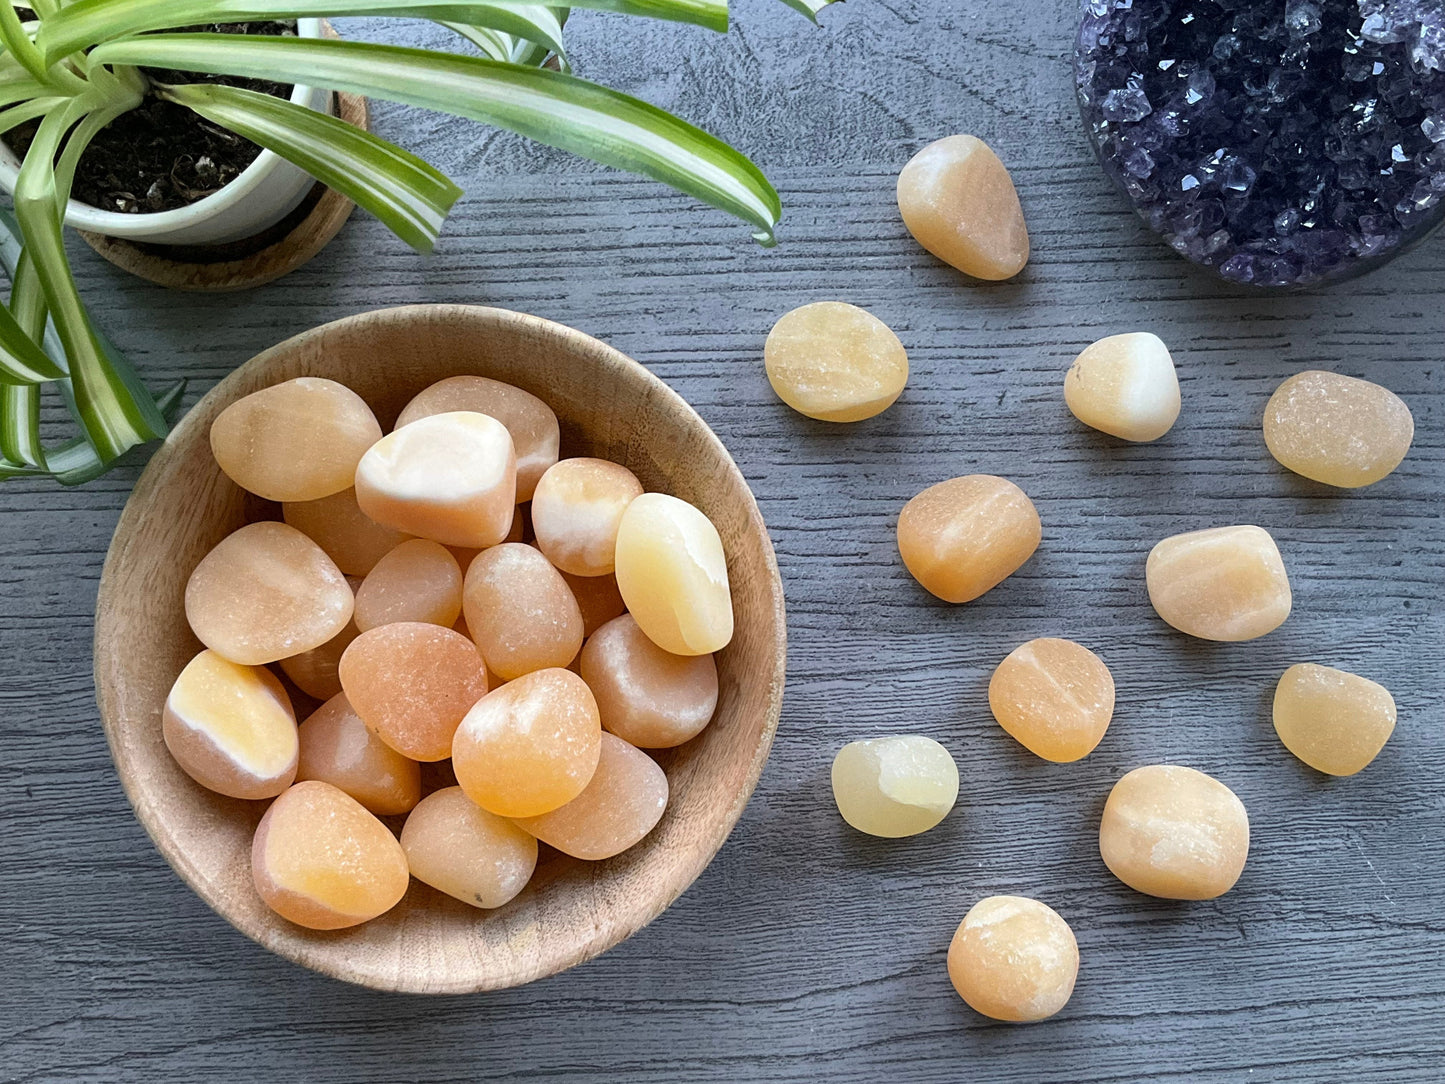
1174	832
835	362
1125	386
1337	429
895	786
1334	721
959	202
1224	583
1014	959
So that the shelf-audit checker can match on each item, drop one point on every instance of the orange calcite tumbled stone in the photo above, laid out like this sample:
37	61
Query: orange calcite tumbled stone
1175	833
338	748
322	861
964	537
295	441
598	598
959	202
520	611
417	581
1334	721
412	683
1055	697
1337	429
673	575
1225	583
1014	959
645	695
835	362
530	746
530	421
339	526
449	477
462	850
266	592
317	672
576	510
231	728
623	802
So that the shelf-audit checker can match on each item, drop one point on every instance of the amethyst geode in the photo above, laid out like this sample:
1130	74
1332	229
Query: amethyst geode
1278	142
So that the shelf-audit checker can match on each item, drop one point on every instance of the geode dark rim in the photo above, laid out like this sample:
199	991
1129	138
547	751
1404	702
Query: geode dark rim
1280	144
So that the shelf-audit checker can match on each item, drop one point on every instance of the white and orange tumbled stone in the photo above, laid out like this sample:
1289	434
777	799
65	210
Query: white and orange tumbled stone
835	362
1055	697
673	575
1332	720
1125	386
531	422
320	860
1014	959
231	728
576	510
1337	429
451	478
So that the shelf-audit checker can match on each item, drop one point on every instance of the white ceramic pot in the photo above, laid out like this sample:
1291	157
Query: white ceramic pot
266	192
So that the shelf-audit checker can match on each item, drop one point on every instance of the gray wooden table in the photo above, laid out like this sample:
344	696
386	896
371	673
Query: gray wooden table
808	952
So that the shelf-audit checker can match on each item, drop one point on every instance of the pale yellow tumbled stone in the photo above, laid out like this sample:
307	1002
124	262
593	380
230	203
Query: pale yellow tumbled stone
959	202
1125	386
1334	721
1014	959
1337	429
965	536
673	575
835	362
1224	583
894	787
1055	697
1175	833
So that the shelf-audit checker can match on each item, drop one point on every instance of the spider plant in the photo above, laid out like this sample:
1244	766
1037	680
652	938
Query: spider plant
80	64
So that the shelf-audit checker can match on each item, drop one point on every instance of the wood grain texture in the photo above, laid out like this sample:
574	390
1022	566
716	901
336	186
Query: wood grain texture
608	406
805	952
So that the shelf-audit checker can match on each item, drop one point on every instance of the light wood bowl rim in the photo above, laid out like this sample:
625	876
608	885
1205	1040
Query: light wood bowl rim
184	440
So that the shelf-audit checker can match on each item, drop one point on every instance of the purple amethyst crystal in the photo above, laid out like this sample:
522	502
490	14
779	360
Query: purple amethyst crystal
1278	142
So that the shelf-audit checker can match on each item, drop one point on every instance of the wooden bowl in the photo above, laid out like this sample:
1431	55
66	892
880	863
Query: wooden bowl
608	406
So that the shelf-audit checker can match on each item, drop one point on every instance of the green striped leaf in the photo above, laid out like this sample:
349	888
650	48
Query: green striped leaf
20	403
115	409
810	8
21	359
410	196
559	110
74	463
20	425
88	22
531	23
18	44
